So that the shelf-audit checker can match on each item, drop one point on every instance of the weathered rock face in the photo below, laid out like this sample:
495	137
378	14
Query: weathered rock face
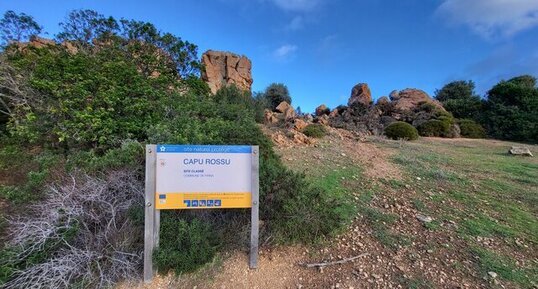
383	101
360	94
225	68
286	110
35	42
283	113
299	124
322	109
410	98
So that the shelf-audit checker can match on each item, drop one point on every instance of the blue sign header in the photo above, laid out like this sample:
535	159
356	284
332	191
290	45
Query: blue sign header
228	149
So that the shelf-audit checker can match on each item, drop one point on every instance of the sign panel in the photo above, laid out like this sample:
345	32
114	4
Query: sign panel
203	177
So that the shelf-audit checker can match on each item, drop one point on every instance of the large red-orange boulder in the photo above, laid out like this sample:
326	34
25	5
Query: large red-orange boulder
360	94
322	109
410	98
226	68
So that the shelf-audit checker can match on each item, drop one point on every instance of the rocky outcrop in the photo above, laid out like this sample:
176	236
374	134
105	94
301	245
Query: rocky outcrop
226	68
35	42
322	109
360	93
286	111
410	105
409	99
283	113
299	124
382	101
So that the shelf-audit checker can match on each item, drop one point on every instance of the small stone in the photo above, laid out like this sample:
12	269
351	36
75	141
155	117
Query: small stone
424	218
492	274
343	154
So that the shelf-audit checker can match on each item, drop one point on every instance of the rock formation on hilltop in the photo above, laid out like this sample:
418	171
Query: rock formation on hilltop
225	68
360	94
410	98
361	115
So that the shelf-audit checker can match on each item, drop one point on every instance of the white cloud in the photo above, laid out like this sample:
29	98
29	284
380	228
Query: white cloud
296	23
297	5
285	51
491	19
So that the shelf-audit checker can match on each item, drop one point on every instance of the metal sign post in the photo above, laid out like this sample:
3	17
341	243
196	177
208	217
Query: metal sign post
151	215
199	177
254	219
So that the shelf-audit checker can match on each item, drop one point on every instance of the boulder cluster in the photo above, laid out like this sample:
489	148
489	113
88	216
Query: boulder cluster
364	116
284	116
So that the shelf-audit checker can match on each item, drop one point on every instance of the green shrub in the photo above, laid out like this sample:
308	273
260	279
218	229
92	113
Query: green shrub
129	154
427	107
277	93
315	130
470	129
510	111
401	130
184	245
307	216
433	127
460	99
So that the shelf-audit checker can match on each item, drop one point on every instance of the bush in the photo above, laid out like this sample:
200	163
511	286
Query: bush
277	93
471	129
184	245
401	130
315	130
433	127
459	98
510	111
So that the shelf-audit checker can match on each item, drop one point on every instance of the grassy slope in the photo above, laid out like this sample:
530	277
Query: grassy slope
484	203
491	196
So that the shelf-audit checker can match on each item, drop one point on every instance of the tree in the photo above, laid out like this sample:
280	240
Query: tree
511	110
141	37
183	53
17	27
277	93
86	25
459	98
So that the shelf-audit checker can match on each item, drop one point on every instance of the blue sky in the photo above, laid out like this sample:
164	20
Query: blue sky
321	48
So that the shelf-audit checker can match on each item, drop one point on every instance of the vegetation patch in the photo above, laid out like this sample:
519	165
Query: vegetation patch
471	129
506	268
401	130
315	130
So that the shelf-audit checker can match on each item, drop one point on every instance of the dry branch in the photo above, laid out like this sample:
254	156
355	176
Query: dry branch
86	218
335	262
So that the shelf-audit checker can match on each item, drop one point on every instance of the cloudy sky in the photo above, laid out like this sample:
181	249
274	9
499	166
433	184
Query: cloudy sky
321	48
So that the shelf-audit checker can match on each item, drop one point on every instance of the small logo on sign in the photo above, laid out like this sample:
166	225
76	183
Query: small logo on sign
162	148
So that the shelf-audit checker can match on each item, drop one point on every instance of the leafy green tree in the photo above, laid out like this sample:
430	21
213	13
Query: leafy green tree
183	53
17	27
511	110
459	98
277	93
86	25
138	37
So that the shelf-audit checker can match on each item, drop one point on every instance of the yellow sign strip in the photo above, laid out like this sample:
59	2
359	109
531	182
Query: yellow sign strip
189	201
